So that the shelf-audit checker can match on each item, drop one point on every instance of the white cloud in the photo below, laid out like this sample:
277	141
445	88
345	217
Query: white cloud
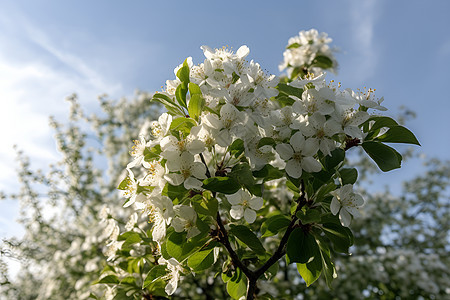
363	16
31	89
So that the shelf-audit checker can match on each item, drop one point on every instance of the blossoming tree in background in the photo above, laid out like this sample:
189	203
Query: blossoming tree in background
246	170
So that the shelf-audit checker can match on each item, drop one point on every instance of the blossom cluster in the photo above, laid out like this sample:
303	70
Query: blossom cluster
227	101
308	50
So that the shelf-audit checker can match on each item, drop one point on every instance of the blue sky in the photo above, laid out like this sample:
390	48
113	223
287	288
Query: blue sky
50	49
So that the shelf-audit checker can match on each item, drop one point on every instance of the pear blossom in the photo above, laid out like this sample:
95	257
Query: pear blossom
130	190
298	155
243	205
137	152
304	48
350	121
175	268
321	129
227	123
185	220
154	174
346	203
172	147
161	127
160	212
189	171
313	101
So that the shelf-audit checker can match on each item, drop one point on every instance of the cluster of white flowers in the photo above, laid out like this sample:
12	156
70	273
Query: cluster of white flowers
304	48
239	105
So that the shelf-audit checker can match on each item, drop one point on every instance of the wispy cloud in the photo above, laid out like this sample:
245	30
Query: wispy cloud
33	88
363	17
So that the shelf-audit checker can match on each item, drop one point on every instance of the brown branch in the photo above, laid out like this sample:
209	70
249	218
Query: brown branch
223	239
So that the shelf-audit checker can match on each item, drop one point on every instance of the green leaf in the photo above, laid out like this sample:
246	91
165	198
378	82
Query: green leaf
154	274
290	90
194	89
174	192
178	247
168	103
202	259
340	236
398	134
196	104
245	235
274	224
385	157
266	141
205	206
124	184
323	62
294	45
380	122
225	185
236	148
180	94
309	216
182	124
183	73
301	247
236	286
130	238
328	266
268	172
348	175
284	100
337	156
311	271
152	153
243	174
110	279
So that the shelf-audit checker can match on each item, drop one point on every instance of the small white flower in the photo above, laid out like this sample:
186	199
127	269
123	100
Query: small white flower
189	171
175	268
346	203
243	205
185	220
137	152
131	222
299	155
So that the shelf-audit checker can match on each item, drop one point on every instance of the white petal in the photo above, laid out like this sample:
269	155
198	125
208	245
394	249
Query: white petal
285	151
332	127
195	147
237	212
256	203
193	231
293	168
310	147
297	141
249	215
198	169
174	178
193	183
243	51
235	198
309	164
335	206
178	224
345	218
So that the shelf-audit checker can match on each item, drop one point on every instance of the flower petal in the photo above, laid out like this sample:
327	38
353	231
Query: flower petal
236	212
293	168
335	206
285	151
256	203
345	217
249	215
